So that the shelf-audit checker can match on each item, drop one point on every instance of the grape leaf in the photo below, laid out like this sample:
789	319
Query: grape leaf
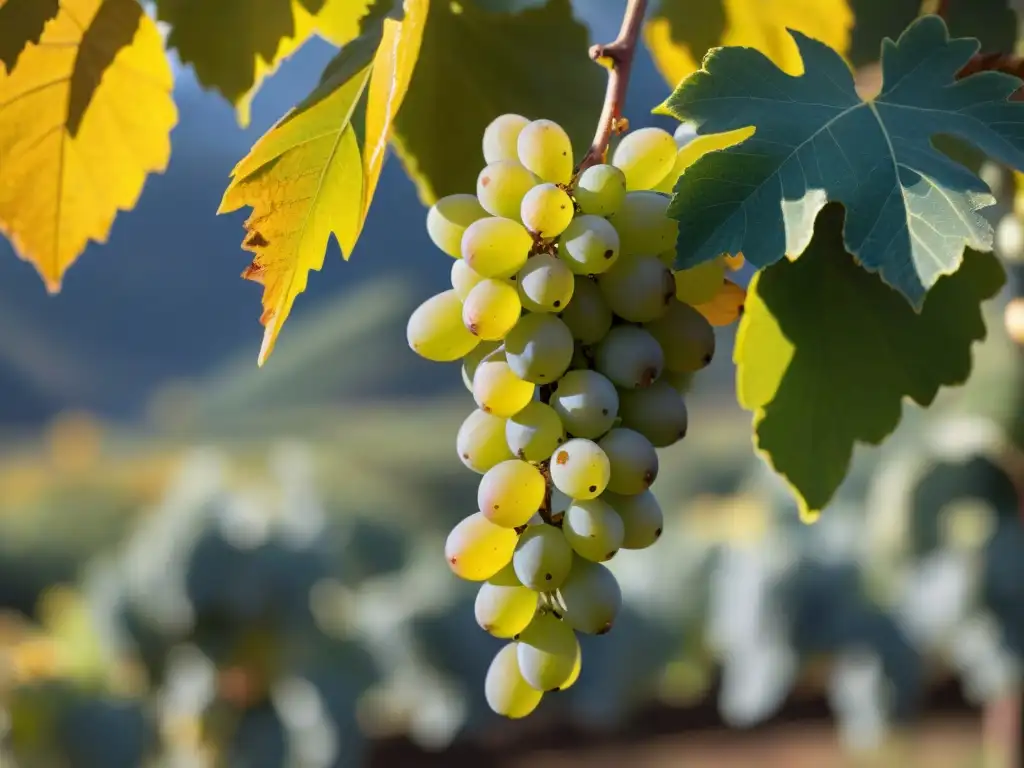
313	174
87	114
910	209
21	23
826	353
680	32
473	68
234	44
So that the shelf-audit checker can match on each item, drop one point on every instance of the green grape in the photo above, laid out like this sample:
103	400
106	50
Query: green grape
544	147
547	652
505	688
589	245
580	469
629	356
491	309
498	390
702	283
685	133
510	493
586	402
577	667
448	218
539	349
645	157
638	288
642	519
590	598
685	336
480	442
680	381
496	247
501	136
534	432
473	358
546	210
546	284
501	187
658	413
464	279
435	330
643	225
477	549
601	189
633	460
593	529
587	317
503	606
542	558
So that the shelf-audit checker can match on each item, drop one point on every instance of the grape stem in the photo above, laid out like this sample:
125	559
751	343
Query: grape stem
619	54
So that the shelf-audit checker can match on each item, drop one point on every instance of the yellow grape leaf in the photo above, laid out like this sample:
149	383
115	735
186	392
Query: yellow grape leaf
86	114
727	306
306	179
681	31
21	23
233	45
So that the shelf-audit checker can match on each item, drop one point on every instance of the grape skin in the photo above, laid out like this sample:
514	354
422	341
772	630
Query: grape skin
448	218
590	599
539	349
498	390
534	432
580	469
546	284
472	360
645	157
547	652
542	558
658	413
503	606
588	316
601	189
642	518
501	187
638	288
477	549
643	226
510	493
496	247
546	210
633	460
593	529
464	279
587	403
700	284
630	357
686	338
501	137
491	309
589	245
544	147
432	330
480	442
505	688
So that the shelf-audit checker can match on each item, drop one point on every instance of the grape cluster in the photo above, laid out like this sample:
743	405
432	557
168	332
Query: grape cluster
577	340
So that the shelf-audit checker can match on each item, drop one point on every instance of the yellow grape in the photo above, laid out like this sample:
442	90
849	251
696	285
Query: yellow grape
544	147
702	283
547	652
503	606
601	189
576	669
491	309
501	137
481	441
505	689
435	329
464	278
496	247
501	186
645	156
546	284
643	224
477	549
510	493
498	390
448	218
546	210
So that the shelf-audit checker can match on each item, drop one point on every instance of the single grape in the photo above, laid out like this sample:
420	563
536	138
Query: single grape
464	279
685	336
629	356
501	136
580	469
496	247
633	460
658	413
589	245
539	349
577	667
601	189
586	402
497	389
542	558
473	358
505	688
491	309
642	518
702	283
448	218
480	442
638	288
544	147
547	652
511	492
643	225
590	598
477	549
593	529
503	606
435	329
546	284
546	210
588	316
685	133
681	382
534	432
645	156
501	187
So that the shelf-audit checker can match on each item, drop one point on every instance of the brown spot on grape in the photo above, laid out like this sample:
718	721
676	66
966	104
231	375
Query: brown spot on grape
706	359
515	636
547	577
611	554
562	458
649	477
562	207
604	411
657	533
485	181
593	489
609	253
605	629
647	377
453	559
465	456
557	303
473	328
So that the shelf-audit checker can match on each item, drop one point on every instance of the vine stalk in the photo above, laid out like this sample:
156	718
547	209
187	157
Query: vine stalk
619	54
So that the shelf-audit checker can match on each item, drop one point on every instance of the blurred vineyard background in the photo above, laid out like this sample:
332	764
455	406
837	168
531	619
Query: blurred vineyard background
203	563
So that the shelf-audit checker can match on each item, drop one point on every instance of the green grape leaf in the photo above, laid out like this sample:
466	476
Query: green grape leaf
21	23
826	353
910	210
472	68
